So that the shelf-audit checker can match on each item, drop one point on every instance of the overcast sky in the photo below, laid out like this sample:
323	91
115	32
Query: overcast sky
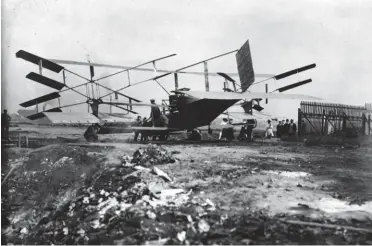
336	35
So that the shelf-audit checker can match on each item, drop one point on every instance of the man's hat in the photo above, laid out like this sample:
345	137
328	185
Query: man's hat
152	100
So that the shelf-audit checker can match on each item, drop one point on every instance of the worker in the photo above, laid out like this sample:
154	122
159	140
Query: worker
155	116
224	125
5	123
144	136
91	133
279	129
285	128
292	129
137	123
249	128
243	130
269	130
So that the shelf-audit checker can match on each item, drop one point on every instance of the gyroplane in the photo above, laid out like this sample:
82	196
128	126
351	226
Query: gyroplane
185	109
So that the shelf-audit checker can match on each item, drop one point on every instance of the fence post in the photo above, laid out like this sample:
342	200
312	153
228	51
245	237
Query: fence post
19	140
299	120
323	122
26	141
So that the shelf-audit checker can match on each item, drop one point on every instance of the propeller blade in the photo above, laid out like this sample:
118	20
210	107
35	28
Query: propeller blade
36	59
42	115
41	99
294	71
291	86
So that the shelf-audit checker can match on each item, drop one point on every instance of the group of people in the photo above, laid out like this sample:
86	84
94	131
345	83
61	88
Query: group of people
156	119
246	130
286	128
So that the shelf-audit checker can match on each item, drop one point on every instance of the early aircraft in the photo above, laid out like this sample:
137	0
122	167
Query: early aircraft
186	109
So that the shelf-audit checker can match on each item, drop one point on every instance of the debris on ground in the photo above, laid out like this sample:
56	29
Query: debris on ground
72	198
152	155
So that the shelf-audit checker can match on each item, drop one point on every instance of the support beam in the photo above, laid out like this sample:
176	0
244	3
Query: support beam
206	76
176	81
311	124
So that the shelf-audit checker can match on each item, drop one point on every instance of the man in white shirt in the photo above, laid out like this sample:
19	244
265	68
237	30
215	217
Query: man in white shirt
269	130
225	125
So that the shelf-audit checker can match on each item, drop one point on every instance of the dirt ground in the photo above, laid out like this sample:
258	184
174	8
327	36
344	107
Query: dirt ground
325	184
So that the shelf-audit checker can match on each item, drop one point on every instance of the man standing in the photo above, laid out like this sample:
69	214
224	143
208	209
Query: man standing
292	129
279	129
5	123
224	125
137	123
269	130
155	114
285	128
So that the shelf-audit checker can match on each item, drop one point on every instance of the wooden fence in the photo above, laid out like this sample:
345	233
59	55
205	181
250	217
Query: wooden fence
327	119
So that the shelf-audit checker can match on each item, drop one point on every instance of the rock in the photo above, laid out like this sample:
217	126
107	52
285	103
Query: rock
151	215
162	174
181	236
203	226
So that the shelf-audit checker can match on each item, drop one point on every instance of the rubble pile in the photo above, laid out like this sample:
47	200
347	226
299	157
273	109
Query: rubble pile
152	155
135	202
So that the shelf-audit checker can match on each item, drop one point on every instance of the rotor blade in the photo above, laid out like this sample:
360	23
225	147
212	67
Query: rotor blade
149	69
36	59
291	86
45	81
41	99
289	73
294	71
42	115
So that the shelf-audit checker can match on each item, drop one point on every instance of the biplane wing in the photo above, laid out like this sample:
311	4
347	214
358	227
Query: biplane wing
245	95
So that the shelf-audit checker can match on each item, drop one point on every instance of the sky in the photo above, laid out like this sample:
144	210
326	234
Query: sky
283	35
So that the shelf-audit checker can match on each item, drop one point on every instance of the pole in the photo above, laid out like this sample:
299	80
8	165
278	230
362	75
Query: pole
323	123
110	104
299	123
369	125
176	81
206	76
41	67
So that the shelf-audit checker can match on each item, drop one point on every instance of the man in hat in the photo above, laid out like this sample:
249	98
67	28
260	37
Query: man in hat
292	128
155	116
5	123
279	129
